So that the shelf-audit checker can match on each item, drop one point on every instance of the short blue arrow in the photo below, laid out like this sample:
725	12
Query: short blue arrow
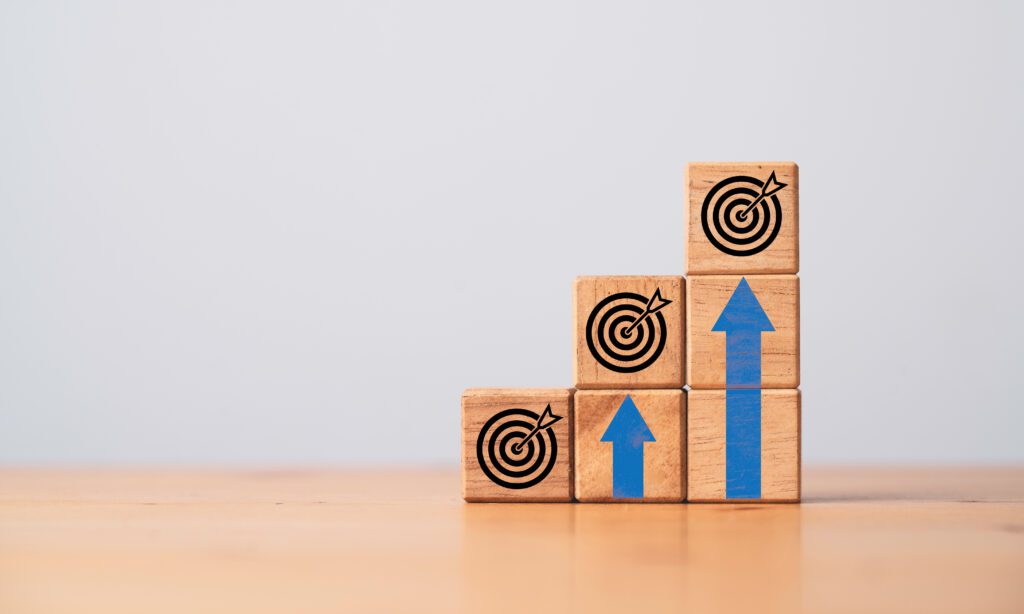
627	433
743	320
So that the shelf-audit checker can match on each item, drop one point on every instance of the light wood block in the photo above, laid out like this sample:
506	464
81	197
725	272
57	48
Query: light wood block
497	464
629	332
728	225
780	446
707	297
664	458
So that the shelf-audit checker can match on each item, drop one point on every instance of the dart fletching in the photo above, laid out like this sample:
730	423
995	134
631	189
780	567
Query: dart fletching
772	186
657	302
547	418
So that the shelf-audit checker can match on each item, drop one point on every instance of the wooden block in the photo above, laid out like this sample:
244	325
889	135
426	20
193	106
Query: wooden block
709	324
629	332
629	445
714	475
731	228
517	444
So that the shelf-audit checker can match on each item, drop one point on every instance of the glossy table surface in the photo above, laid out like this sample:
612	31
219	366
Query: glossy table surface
872	539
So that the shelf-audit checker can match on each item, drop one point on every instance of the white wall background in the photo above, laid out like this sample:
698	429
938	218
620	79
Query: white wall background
293	232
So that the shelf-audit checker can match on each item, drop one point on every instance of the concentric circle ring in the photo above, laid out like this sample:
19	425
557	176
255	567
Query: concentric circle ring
606	334
495	449
730	227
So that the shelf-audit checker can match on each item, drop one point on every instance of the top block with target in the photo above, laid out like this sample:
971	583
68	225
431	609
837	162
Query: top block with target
742	217
629	332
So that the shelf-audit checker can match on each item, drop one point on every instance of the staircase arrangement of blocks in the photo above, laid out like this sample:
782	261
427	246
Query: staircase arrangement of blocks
686	388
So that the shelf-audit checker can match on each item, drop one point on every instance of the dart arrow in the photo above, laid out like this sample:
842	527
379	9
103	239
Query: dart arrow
546	419
770	187
627	433
656	304
743	320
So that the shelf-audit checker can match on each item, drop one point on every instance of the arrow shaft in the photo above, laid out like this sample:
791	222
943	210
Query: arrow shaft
631	327
743	214
743	359
628	470
742	444
519	445
743	414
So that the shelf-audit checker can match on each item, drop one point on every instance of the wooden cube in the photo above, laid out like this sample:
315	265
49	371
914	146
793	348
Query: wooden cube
741	217
517	444
630	445
743	332
629	332
743	445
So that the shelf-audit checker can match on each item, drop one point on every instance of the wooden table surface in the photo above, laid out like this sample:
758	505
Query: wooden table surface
864	540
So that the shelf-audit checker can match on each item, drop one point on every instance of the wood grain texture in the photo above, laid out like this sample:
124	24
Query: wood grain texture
937	540
779	296
703	257
666	371
479	405
780	445
664	459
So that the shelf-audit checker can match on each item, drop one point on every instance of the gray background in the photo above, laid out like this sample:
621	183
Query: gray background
293	232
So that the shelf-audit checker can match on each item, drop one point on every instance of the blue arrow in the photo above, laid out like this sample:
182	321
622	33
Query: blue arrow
627	433
743	320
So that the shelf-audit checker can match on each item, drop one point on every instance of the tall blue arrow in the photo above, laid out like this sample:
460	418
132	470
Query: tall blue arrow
627	433
743	320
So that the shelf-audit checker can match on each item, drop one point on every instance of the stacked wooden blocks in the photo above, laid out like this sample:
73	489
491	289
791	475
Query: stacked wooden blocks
629	432
743	332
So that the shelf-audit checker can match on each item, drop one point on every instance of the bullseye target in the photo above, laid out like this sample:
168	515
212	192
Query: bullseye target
516	448
741	215
626	332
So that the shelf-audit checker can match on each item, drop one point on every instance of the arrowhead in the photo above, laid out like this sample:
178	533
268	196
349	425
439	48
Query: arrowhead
743	312
628	426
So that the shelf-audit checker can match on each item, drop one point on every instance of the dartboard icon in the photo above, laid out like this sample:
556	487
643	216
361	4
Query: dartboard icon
741	215
626	332
517	448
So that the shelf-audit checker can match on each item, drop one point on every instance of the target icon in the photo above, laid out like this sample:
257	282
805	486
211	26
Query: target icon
742	215
626	332
516	448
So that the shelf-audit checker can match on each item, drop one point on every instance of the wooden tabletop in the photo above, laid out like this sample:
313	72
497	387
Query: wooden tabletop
926	540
